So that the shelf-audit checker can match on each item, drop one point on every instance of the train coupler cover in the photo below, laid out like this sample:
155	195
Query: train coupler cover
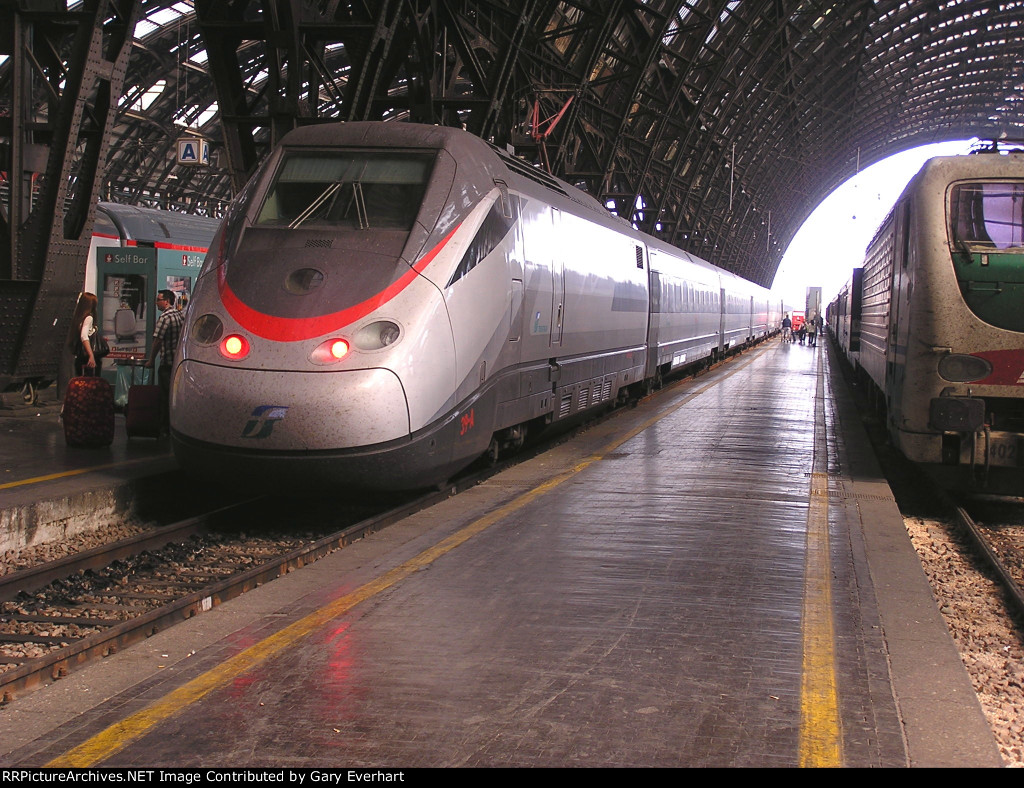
957	414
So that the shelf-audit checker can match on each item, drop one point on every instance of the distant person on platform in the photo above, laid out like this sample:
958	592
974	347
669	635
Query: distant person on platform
165	342
787	326
812	330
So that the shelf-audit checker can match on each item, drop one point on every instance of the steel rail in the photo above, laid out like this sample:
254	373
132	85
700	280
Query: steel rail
1016	597
60	662
36	577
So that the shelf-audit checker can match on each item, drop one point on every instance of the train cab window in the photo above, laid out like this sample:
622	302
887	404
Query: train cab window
988	214
986	226
348	190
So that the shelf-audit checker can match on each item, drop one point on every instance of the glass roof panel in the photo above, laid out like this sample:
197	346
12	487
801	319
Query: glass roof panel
165	15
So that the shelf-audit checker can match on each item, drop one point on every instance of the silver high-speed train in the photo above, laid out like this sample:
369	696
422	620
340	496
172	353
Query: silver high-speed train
935	320
386	302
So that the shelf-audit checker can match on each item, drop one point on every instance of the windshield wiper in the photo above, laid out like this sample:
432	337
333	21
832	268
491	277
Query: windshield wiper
360	203
358	200
313	206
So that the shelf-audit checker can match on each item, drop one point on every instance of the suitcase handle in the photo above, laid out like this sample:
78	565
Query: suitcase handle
136	363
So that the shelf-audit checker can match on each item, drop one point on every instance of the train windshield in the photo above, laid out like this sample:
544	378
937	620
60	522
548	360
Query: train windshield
986	225
347	190
988	214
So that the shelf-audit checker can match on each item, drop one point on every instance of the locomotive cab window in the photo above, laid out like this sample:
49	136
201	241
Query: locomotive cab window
347	191
986	227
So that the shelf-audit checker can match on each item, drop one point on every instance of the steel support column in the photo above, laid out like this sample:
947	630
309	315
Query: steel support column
72	63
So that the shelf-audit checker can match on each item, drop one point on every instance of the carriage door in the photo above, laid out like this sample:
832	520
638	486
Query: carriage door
899	317
723	323
516	260
557	279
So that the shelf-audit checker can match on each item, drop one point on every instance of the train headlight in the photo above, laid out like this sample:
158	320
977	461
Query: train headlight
961	368
330	352
234	347
377	335
207	329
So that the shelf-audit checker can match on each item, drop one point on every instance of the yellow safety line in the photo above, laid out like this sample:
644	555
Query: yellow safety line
820	729
77	471
118	736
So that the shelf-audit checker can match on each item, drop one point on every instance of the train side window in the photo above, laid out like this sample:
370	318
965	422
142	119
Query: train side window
491	233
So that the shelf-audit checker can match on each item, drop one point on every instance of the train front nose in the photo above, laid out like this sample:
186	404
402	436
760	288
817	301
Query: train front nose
266	411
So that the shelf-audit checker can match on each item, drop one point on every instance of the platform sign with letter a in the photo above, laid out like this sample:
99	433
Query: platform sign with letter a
193	150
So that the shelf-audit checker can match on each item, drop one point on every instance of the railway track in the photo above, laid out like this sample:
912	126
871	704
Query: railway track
59	616
996	527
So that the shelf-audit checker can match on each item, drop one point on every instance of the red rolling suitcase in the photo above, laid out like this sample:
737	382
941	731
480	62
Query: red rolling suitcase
88	413
142	411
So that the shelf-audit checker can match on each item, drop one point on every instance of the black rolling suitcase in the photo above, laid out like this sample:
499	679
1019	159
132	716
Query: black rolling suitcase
88	413
142	412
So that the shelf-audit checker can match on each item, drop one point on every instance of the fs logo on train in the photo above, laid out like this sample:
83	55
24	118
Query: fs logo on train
261	422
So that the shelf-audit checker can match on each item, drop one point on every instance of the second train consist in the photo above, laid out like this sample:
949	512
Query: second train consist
386	302
119	225
935	319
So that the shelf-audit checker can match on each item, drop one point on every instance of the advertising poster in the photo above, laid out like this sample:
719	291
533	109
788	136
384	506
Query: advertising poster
126	278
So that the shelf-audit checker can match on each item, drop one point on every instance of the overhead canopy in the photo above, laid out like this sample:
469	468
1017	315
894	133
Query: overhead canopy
718	126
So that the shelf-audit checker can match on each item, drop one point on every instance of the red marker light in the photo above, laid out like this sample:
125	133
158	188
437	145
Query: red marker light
330	352
339	349
234	347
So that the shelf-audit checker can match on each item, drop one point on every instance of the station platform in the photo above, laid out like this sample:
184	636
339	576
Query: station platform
49	491
719	577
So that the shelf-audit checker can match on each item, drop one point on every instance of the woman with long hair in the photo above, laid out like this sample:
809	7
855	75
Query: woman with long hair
83	324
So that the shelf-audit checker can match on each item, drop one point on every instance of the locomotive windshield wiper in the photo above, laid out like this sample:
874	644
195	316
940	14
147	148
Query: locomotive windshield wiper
357	197
360	203
313	206
331	193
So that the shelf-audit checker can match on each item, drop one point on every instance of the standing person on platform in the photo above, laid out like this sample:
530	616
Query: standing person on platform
165	341
787	325
812	330
83	325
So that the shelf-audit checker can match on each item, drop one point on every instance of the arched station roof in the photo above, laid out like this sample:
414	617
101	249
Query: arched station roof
717	125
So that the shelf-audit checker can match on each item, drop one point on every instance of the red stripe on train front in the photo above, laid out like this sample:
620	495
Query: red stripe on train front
1007	367
294	329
